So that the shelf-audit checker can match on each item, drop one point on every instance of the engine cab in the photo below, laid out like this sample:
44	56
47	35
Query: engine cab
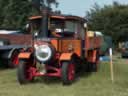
65	33
61	48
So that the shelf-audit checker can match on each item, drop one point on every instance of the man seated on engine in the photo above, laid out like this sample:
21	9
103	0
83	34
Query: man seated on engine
55	32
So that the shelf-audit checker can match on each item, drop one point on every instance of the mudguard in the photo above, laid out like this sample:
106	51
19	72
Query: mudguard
24	55
66	56
8	50
7	54
11	52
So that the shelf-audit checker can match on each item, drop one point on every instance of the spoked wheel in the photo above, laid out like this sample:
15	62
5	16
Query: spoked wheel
68	73
14	60
25	72
94	67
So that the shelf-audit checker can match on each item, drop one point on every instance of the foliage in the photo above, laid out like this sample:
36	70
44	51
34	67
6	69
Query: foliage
14	13
111	20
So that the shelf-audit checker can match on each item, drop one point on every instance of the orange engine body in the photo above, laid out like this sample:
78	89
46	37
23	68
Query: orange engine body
67	45
93	41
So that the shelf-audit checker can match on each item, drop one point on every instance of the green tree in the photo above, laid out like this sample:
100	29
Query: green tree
111	20
14	13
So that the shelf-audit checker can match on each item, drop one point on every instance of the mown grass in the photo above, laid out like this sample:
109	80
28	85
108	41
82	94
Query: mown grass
94	84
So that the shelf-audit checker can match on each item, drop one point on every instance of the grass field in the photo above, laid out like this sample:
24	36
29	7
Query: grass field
94	84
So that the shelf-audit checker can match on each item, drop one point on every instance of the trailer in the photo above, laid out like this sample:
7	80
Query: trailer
9	55
10	46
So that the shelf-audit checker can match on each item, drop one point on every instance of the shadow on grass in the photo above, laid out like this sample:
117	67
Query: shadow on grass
84	72
2	68
56	80
47	80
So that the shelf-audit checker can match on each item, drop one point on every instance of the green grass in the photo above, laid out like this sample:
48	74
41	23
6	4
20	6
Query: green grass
94	84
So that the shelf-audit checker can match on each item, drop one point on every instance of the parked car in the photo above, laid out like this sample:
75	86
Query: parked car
124	50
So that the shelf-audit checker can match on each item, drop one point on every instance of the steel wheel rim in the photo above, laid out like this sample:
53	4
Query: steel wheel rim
29	73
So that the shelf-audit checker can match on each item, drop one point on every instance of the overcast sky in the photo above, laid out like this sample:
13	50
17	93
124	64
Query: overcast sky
79	7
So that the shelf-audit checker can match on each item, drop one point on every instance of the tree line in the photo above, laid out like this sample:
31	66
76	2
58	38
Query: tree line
112	19
14	13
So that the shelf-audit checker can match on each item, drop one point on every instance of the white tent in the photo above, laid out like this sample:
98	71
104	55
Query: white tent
98	33
8	31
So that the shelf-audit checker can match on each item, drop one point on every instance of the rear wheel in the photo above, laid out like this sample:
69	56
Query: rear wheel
25	72
68	73
95	65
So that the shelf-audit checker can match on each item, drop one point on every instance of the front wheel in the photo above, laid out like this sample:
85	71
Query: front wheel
68	73
25	72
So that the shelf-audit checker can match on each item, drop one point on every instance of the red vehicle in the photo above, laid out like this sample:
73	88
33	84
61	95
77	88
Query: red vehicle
61	48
